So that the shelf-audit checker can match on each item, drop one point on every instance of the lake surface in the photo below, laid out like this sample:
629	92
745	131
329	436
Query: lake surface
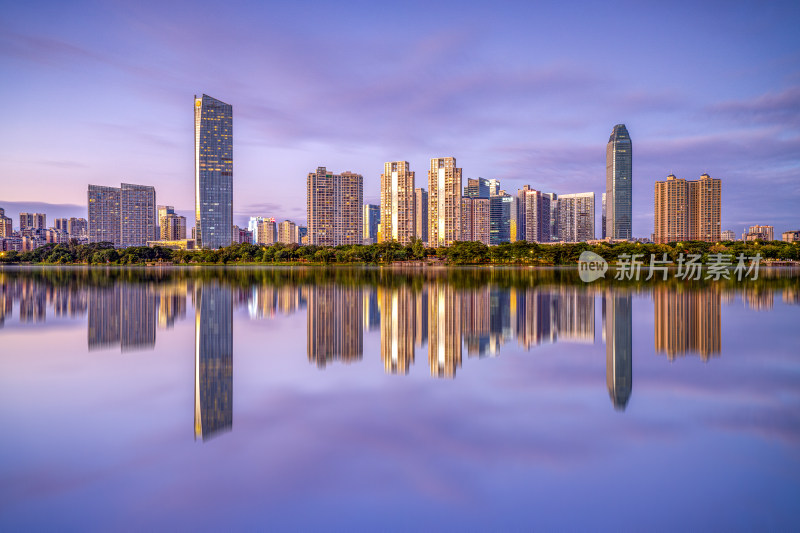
389	399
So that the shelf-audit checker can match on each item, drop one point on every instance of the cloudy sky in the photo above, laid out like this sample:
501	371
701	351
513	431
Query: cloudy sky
525	92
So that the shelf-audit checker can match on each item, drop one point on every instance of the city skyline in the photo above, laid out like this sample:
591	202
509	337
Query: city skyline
500	117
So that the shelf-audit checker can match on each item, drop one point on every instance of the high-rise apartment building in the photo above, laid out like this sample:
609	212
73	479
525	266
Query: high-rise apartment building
398	220
761	233
77	227
576	217
334	204
554	215
104	214
124	216
619	181
444	202
32	221
137	214
533	215
727	235
266	231
687	210
421	213
172	227
475	219
790	236
372	219
61	224
6	224
287	232
213	172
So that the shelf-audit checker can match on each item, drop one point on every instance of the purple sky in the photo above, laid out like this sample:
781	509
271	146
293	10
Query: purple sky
524	92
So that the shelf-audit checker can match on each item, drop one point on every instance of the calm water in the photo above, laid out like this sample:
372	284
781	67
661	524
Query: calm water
478	399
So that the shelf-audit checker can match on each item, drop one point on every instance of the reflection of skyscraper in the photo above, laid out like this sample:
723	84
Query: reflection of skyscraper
535	317
575	315
398	319
213	345
476	319
444	330
619	360
421	316
334	328
687	321
104	316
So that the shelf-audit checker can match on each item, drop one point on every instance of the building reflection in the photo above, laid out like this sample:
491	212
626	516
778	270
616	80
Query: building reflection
123	315
213	390
444	330
398	322
687	322
335	324
619	348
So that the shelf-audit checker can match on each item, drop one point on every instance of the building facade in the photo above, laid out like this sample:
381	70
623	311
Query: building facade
334	205
421	213
398	208
687	210
475	219
576	217
213	160
619	184
444	202
533	215
372	220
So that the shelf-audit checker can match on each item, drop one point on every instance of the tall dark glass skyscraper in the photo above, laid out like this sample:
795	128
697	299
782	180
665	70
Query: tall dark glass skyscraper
213	172
619	174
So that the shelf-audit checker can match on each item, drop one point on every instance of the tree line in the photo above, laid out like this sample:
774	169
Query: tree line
460	253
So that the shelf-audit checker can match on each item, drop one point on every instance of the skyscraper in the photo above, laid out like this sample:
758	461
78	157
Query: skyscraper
421	212
398	221
619	180
372	218
687	210
172	227
6	224
444	202
104	214
334	204
576	217
502	214
603	219
287	232
213	172
477	188
32	221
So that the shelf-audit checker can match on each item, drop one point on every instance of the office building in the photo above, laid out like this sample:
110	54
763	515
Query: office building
687	210
372	219
334	206
477	188
533	215
790	236
287	232
760	233
619	182
398	220
475	219
213	172
32	221
444	202
494	187
421	212
603	218
502	217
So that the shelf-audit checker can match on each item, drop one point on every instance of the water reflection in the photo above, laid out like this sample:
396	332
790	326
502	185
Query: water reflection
480	311
213	386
